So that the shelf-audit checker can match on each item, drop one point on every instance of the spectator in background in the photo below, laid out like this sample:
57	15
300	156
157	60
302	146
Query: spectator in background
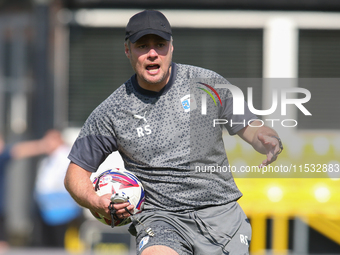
57	210
17	151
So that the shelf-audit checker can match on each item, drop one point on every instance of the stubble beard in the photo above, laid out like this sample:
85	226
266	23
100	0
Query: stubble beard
161	79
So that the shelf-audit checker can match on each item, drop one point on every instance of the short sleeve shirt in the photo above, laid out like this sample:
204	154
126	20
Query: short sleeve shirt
166	138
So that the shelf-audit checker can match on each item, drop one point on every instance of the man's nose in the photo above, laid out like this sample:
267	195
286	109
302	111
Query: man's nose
152	53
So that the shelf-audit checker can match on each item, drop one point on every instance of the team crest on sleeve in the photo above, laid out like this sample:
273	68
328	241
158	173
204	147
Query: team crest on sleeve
188	103
143	242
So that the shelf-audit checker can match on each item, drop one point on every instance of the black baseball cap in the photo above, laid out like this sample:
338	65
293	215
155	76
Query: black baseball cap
148	22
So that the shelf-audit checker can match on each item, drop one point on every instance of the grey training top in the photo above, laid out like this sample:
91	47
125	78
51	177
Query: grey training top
165	139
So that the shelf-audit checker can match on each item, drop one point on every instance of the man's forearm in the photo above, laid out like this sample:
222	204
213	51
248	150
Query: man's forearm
28	149
79	185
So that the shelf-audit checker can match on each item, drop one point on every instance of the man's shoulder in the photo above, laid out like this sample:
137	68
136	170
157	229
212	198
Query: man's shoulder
119	94
191	71
124	89
117	99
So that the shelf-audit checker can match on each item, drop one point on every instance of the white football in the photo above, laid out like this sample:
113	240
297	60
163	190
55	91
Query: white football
123	185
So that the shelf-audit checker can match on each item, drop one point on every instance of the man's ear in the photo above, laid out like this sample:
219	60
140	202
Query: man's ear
127	50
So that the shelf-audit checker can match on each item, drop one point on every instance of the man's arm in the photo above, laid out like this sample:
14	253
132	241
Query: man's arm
262	138
46	145
78	184
28	149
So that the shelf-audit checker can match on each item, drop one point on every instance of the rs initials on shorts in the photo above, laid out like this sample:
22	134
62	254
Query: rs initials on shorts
244	239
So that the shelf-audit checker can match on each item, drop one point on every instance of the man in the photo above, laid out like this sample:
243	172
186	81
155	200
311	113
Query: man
17	151
57	211
163	137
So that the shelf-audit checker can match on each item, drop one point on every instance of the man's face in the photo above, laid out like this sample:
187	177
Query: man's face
151	58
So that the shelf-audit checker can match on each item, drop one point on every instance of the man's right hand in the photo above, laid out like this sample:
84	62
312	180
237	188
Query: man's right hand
103	207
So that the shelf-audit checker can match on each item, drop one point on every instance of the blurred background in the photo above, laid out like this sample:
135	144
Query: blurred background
60	58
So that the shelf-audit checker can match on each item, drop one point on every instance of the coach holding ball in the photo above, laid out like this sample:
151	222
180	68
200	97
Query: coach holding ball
154	121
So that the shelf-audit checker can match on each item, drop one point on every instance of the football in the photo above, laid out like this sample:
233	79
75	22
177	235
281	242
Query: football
124	186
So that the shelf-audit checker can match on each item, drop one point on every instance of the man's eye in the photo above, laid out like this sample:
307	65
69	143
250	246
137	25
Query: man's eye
142	46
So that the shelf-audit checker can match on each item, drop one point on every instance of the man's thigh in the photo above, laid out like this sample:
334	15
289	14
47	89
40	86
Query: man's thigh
167	239
227	231
222	229
159	249
239	244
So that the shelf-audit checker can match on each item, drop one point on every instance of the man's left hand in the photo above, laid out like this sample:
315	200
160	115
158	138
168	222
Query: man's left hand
272	146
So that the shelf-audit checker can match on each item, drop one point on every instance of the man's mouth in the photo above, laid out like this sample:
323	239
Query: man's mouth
153	68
